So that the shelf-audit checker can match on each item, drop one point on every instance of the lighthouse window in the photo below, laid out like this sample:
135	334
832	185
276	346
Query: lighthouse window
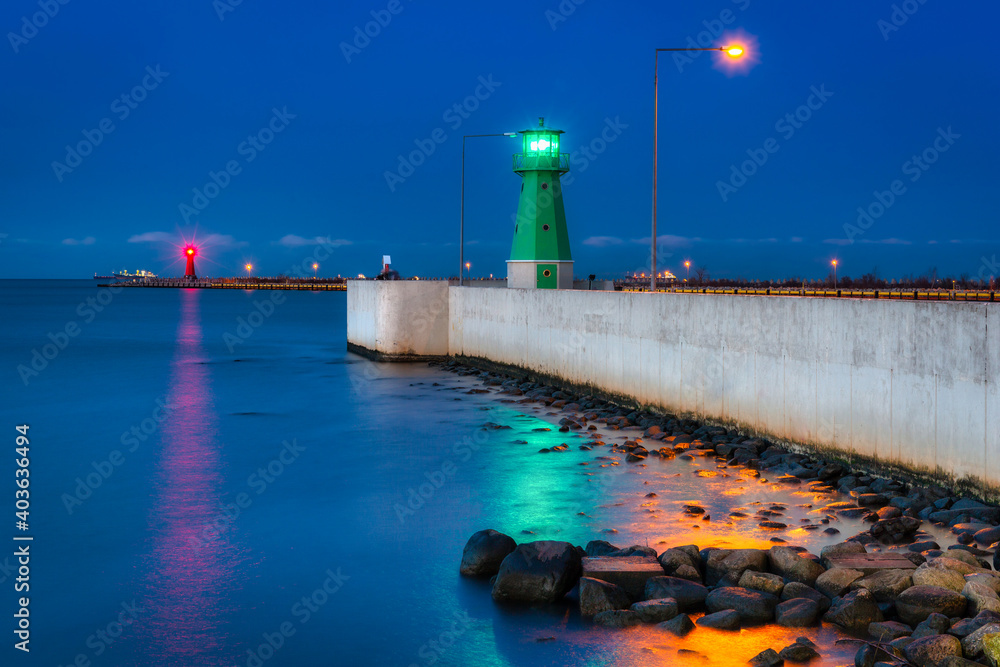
546	273
545	186
545	228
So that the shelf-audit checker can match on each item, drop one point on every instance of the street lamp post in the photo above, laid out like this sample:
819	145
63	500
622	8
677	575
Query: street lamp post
461	229
687	269
834	262
733	51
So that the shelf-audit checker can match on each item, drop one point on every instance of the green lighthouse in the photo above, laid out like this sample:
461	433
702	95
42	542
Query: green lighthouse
540	256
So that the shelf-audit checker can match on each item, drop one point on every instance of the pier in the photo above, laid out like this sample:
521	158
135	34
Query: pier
906	381
279	283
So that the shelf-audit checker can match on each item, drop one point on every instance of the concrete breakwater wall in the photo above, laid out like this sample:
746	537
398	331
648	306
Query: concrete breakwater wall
905	384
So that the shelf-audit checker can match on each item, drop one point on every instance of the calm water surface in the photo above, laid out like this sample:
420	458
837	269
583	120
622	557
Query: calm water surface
273	514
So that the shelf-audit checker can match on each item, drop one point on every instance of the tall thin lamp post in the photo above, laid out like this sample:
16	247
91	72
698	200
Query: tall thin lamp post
733	51
461	228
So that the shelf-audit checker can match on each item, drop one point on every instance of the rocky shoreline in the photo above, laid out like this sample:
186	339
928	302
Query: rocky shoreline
907	600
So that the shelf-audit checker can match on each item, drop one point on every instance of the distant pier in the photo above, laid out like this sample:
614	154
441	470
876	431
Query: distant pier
278	283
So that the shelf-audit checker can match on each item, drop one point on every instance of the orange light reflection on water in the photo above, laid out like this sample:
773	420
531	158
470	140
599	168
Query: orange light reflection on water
649	645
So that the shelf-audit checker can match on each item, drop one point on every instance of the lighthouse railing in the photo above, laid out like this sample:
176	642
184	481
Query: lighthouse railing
529	161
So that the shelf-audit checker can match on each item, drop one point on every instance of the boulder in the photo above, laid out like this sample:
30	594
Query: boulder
991	648
597	596
655	611
484	552
955	661
972	644
687	594
990	580
931	651
727	619
766	658
688	572
752	606
916	603
679	625
929	574
793	567
840	550
797	590
959	561
896	530
597	548
967	626
837	581
724	567
886	631
935	624
617	618
802	650
634	550
762	581
538	572
869	655
981	598
671	559
855	611
885	585
797	613
988	536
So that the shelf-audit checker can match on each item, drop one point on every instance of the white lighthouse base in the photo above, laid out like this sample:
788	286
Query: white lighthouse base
530	274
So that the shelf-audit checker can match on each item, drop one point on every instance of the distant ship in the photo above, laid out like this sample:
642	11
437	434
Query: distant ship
125	274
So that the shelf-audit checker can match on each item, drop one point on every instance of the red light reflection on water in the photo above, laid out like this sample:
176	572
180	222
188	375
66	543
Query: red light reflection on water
190	568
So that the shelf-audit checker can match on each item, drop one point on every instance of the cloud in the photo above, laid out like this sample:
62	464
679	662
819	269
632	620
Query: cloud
770	240
890	241
602	241
838	241
90	240
295	241
221	240
672	241
153	237
210	241
668	240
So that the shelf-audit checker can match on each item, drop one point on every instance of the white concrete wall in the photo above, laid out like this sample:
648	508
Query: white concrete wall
903	383
398	319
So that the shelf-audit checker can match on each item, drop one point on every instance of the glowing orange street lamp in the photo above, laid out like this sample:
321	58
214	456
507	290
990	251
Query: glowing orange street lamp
834	262
733	51
315	267
687	268
249	268
468	267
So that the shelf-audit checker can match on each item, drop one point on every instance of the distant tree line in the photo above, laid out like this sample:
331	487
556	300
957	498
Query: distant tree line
929	279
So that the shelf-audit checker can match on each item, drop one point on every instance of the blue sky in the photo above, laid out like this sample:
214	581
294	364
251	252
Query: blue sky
261	128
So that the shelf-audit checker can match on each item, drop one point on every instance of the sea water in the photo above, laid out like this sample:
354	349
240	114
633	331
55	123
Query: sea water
215	480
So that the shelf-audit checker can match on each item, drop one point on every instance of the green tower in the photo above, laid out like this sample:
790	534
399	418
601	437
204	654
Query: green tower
540	256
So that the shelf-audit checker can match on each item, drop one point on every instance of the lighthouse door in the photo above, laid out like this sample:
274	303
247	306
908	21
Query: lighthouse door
546	277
